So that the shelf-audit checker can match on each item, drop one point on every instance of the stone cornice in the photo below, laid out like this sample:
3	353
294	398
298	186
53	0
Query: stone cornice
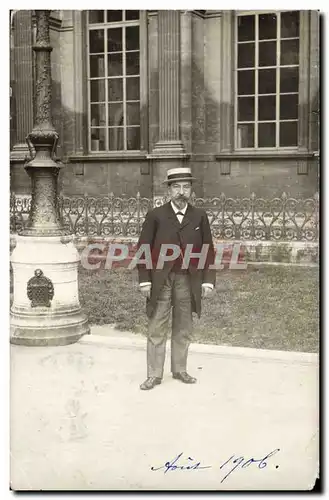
209	157
106	157
207	14
204	14
213	13
268	155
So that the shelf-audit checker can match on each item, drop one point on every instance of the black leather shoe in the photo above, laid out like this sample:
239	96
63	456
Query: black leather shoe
150	383
184	377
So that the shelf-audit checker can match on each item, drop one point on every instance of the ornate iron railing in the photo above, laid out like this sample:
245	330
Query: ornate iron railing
251	218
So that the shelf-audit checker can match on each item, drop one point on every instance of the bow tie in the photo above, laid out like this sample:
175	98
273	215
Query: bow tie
180	213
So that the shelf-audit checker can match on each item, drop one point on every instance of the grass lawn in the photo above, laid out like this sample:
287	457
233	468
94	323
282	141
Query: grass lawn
263	307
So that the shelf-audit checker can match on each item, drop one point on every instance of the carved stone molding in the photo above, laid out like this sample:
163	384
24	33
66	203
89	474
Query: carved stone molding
302	167
225	167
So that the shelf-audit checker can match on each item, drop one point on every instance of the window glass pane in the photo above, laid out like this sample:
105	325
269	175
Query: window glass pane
246	109
267	26
97	139
114	40
131	15
97	66
132	89
114	16
116	139
290	24
96	41
288	134
96	16
246	28
114	64
132	63
246	55
133	113
97	115
115	89
132	38
266	135
289	107
289	52
266	107
246	82
267	81
289	79
267	54
246	135
97	91
133	138
116	114
272	59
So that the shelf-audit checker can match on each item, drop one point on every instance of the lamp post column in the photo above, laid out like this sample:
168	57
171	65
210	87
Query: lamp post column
46	308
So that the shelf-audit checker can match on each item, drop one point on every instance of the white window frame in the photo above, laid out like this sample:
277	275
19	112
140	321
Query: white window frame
256	68
141	22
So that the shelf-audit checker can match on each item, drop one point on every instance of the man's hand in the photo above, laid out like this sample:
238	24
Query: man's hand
206	291
145	291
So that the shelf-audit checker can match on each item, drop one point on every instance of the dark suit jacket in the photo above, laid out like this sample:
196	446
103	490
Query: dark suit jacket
161	226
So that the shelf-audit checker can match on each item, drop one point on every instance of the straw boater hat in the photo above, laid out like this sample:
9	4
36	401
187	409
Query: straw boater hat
179	174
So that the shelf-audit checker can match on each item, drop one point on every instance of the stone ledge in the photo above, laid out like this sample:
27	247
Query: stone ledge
262	155
94	158
285	252
251	251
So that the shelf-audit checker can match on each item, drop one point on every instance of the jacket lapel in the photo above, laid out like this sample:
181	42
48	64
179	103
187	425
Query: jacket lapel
172	216
188	217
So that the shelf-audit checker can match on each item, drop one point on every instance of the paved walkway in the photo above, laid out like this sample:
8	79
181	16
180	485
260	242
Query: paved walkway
80	421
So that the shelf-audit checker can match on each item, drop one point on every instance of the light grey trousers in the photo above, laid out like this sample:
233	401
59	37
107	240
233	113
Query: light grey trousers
175	296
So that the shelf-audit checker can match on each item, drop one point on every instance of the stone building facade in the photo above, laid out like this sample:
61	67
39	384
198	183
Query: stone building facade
234	95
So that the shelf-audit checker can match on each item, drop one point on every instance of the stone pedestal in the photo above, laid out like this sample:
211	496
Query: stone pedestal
62	321
46	308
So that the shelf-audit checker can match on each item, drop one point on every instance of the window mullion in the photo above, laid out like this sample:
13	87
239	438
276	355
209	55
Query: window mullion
107	145
236	45
124	86
256	79
124	80
278	62
89	91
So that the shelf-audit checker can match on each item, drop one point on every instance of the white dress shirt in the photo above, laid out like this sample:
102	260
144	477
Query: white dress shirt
175	209
180	219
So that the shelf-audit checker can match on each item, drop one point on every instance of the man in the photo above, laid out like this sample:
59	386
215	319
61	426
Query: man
170	282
